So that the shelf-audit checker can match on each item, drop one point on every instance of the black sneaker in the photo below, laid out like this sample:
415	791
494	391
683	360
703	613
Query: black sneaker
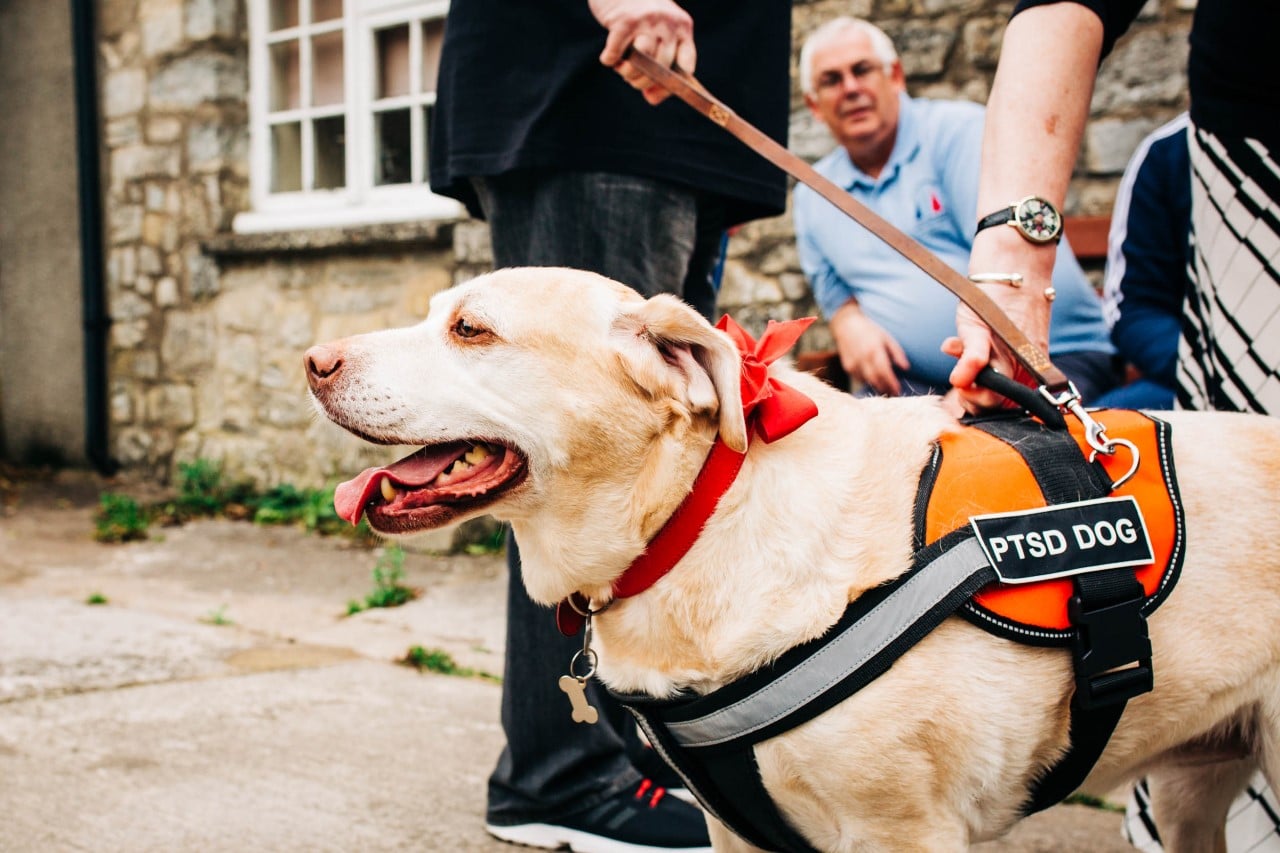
650	763
644	820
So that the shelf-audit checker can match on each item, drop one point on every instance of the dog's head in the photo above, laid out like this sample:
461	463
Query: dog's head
531	391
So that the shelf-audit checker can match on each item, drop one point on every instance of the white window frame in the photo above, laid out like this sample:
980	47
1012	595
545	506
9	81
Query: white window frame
360	202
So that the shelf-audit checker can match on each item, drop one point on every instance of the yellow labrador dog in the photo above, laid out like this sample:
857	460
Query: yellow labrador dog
568	405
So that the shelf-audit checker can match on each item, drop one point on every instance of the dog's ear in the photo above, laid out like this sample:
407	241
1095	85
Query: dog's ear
670	350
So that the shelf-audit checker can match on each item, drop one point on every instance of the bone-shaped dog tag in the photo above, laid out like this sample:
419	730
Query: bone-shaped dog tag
575	689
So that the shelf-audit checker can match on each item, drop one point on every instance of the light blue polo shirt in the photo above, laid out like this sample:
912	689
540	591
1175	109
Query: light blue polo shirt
928	189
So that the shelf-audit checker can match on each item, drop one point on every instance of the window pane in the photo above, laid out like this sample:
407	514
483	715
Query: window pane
432	40
325	10
285	76
331	153
284	13
392	46
286	157
391	132
326	69
428	113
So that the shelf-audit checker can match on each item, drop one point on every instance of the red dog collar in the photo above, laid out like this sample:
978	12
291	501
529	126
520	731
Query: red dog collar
772	409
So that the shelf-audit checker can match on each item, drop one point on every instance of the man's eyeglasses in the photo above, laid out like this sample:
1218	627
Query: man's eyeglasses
861	72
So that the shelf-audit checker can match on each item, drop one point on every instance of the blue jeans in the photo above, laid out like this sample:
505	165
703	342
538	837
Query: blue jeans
656	237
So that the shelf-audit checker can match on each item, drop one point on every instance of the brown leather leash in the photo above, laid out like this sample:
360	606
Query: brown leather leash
684	86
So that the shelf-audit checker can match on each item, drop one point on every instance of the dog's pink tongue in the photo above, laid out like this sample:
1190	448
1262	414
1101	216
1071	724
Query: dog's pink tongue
350	497
414	471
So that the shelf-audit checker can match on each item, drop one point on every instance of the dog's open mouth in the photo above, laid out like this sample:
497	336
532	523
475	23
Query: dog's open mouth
432	487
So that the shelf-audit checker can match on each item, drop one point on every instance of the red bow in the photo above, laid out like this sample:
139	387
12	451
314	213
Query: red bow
775	408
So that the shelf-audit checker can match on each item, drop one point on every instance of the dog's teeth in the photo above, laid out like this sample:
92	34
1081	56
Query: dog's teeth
477	454
446	476
388	489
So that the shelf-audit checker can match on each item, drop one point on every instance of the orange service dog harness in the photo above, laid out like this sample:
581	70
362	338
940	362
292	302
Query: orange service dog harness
1017	530
978	471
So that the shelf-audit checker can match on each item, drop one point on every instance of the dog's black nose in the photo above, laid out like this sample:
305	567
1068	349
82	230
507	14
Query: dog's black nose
322	362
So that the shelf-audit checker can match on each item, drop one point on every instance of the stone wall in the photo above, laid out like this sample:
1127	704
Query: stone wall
174	78
209	327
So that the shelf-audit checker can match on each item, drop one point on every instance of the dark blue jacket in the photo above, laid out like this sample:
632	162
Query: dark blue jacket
1147	256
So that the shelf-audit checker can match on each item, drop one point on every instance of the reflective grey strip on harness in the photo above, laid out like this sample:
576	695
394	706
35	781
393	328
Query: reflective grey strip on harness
841	658
709	740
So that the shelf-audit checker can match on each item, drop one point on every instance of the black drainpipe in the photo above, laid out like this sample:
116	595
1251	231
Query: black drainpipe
94	314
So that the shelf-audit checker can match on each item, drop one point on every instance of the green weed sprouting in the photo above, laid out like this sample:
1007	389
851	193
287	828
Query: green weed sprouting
389	589
311	508
119	519
440	661
218	617
203	492
200	488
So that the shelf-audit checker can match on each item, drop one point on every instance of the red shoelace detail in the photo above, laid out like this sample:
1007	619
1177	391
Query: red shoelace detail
646	786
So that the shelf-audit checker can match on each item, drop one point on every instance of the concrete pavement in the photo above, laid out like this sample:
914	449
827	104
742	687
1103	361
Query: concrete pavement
222	700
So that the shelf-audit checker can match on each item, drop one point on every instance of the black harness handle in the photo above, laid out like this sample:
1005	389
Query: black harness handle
1025	396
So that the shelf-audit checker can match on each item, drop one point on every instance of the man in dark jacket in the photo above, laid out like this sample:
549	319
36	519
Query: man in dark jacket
535	133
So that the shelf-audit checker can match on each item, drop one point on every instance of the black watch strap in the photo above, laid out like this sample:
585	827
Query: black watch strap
1000	217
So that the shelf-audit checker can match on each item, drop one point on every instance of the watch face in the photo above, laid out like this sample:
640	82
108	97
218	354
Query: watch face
1038	220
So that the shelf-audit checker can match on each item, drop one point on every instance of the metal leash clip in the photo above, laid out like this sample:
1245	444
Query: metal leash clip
1095	434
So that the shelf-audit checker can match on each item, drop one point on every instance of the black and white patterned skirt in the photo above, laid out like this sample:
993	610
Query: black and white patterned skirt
1229	356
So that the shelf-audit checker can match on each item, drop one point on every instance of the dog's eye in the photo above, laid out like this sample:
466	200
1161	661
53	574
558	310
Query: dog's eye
464	328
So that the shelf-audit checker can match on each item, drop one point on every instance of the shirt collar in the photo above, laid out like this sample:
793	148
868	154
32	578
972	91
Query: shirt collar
905	148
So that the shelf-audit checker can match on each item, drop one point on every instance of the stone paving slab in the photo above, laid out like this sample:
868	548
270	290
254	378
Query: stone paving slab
53	646
355	756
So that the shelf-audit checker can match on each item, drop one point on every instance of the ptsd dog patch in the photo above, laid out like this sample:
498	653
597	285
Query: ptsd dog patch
1065	539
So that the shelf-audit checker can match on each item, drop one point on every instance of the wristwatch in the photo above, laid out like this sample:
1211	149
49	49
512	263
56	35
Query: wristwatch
1035	218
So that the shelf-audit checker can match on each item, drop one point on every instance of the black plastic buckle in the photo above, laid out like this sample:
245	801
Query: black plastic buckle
1109	637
